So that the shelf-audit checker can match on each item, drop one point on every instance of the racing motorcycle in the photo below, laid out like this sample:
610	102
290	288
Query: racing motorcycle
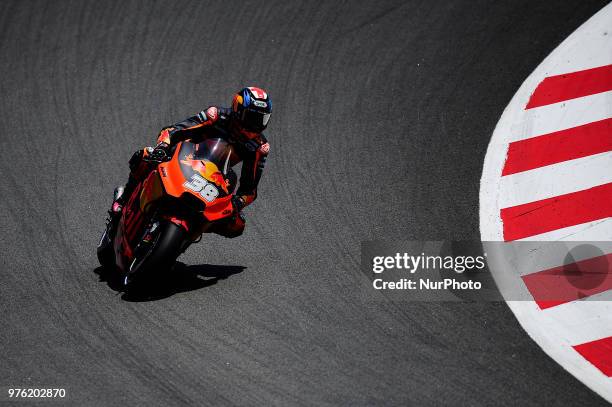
181	198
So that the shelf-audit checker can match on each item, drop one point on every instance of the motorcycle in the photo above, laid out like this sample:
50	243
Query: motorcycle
181	198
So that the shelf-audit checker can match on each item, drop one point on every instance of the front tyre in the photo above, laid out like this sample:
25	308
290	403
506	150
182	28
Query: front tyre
156	255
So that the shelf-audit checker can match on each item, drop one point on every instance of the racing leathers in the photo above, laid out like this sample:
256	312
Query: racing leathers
214	122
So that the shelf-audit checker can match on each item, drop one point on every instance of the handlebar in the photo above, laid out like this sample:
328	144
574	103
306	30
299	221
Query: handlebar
157	155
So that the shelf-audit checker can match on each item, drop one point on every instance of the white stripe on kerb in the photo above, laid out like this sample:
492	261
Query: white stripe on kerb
562	116
596	231
554	180
579	322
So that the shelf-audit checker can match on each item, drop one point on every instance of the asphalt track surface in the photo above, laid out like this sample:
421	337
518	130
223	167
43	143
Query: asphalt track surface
383	111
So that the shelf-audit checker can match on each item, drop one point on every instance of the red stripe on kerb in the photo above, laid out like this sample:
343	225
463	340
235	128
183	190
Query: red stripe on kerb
564	145
559	88
538	217
570	282
599	353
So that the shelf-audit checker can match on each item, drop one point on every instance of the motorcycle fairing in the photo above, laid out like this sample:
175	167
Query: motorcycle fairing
201	159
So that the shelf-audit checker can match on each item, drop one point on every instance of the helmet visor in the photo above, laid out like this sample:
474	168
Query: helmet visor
254	120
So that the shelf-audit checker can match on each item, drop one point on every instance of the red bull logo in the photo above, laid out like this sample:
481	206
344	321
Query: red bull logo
208	170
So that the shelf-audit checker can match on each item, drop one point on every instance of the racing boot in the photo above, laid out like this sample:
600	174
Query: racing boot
118	202
120	197
115	212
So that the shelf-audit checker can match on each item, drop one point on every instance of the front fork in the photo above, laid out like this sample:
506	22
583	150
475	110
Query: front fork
193	229
145	244
150	235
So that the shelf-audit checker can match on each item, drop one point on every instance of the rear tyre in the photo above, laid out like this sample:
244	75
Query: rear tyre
159	257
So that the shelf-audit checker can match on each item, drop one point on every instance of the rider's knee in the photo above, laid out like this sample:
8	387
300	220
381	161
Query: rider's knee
233	228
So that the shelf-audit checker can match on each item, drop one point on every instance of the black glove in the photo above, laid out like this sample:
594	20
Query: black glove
160	152
237	203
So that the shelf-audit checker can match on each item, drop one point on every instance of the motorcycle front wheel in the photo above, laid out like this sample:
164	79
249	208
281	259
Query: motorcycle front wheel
157	255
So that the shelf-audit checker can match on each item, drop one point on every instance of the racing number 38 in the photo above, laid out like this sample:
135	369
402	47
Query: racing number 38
198	184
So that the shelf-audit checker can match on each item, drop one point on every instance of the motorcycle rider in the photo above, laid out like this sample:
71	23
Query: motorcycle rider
241	125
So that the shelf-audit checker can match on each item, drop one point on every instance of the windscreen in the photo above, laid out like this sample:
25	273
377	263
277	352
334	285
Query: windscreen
217	151
211	160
